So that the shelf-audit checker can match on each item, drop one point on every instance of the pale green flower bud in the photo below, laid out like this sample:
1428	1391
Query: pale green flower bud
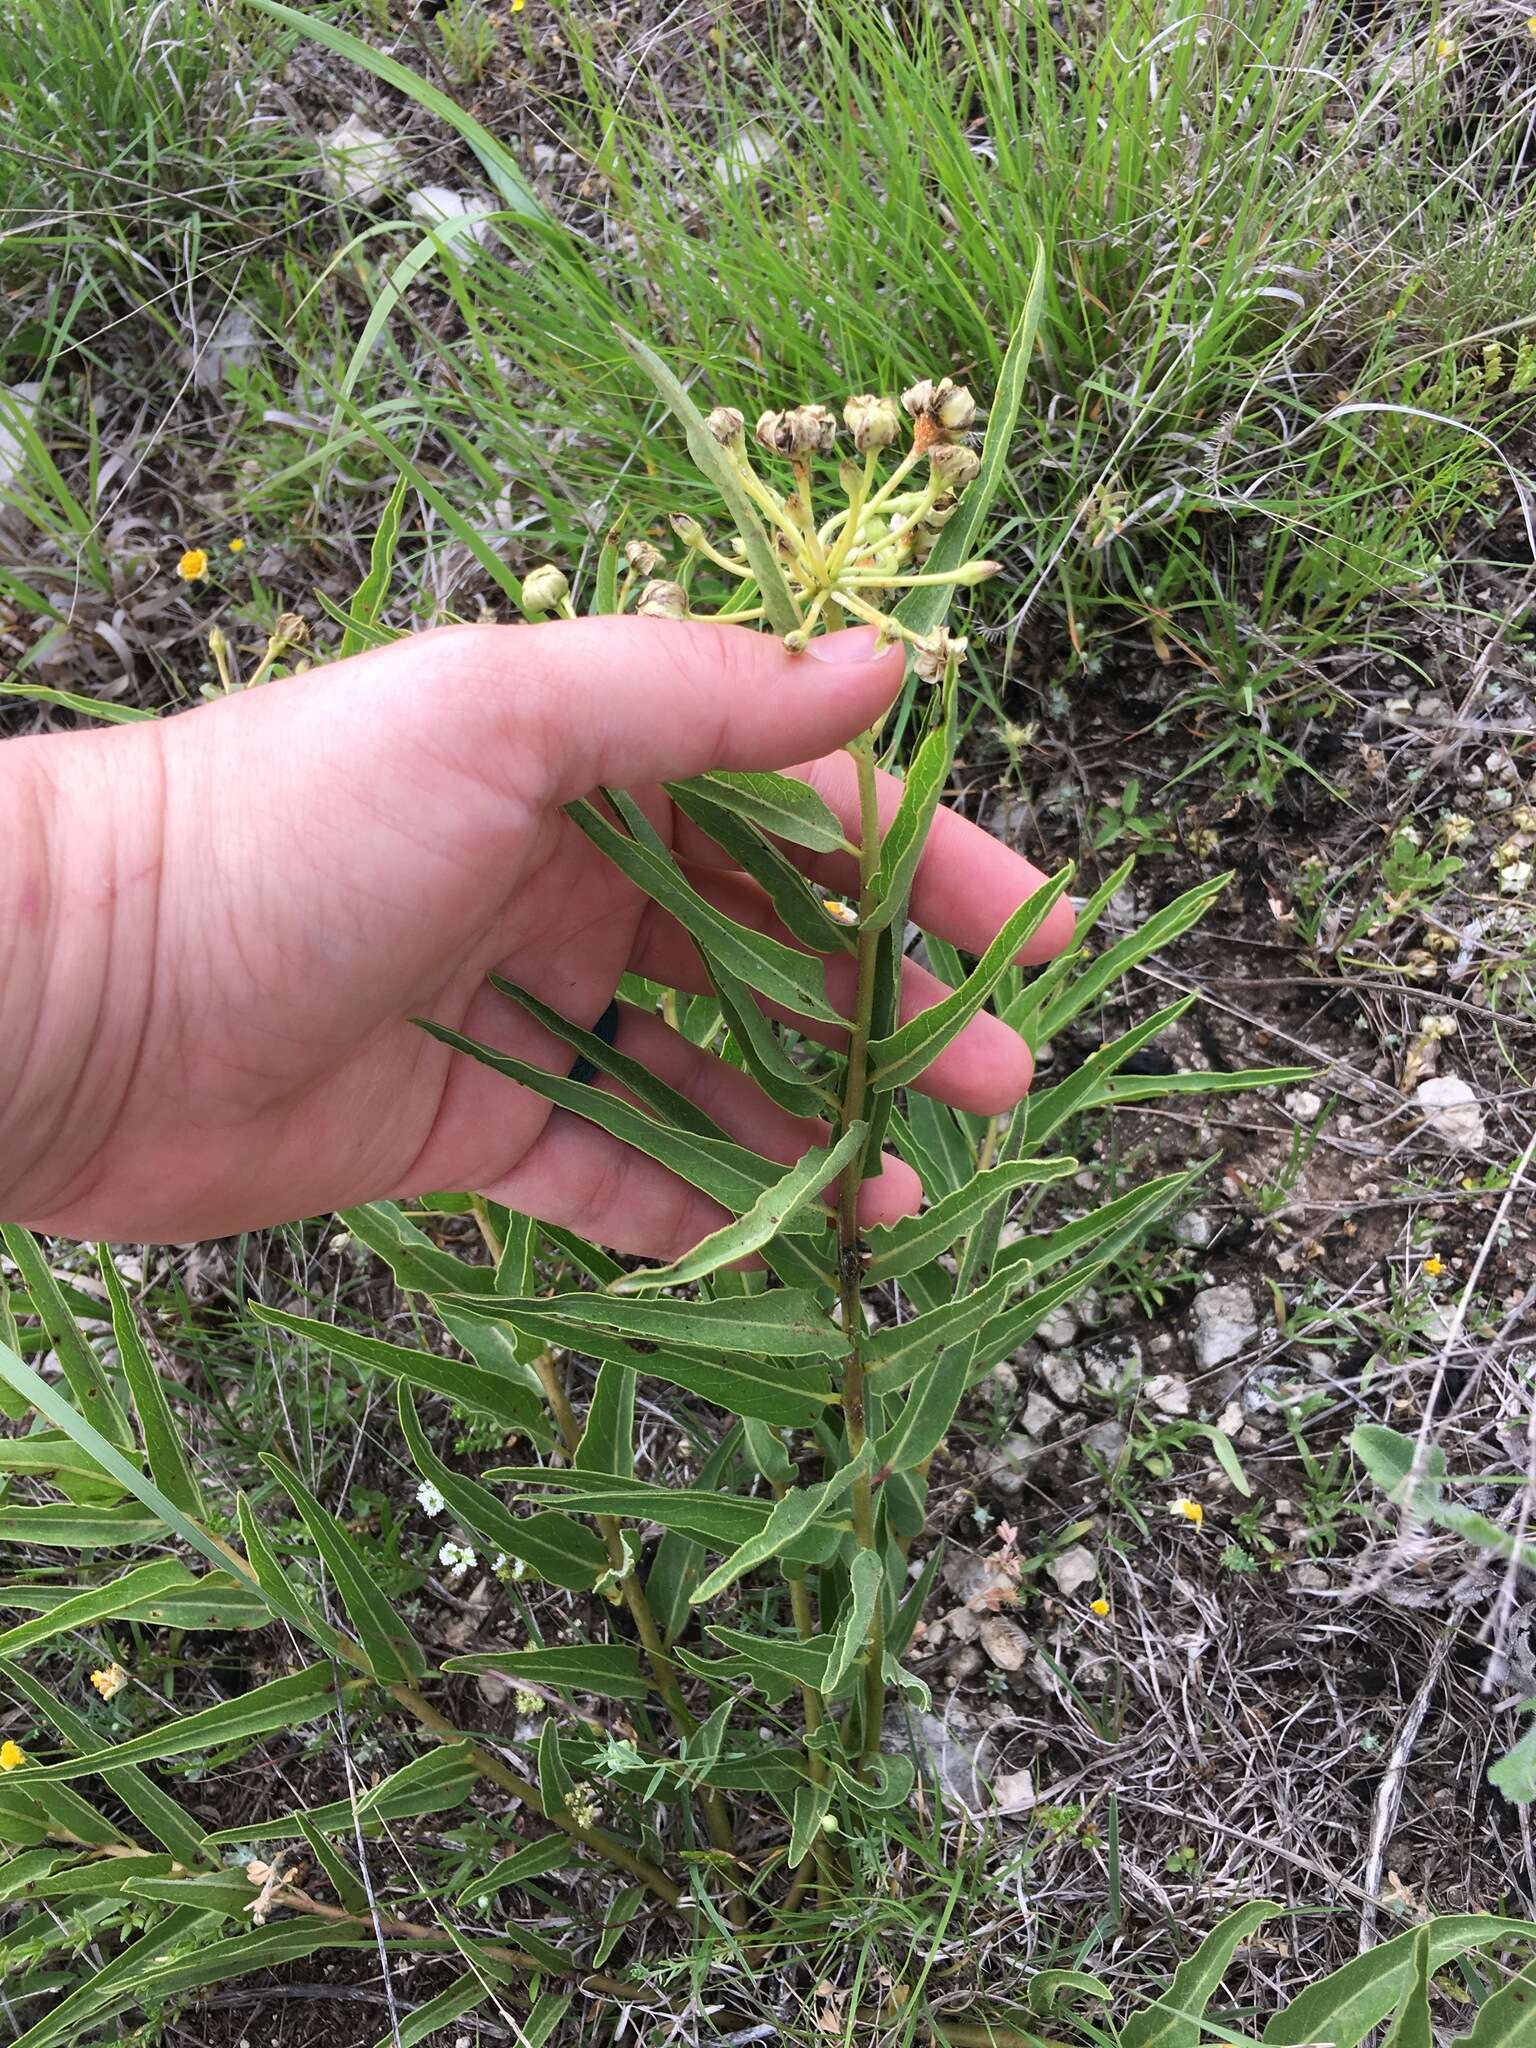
727	425
952	406
953	464
663	600
873	422
642	557
977	572
687	529
544	588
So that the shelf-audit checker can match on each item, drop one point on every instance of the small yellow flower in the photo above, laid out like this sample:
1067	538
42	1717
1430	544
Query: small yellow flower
1100	1607
109	1683
237	545
1189	1511
517	6
11	1756
1446	51
1434	1266
193	565
1530	24
839	911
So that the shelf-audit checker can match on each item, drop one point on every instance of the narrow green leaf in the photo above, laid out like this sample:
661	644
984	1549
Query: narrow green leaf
783	1323
338	1871
710	458
163	1448
558	1549
780	804
902	846
1344	2007
539	1859
665	1103
767	1216
897	1248
716	1517
63	1526
678	1560
812	1804
616	1920
610	1670
866	1576
1411	2026
1029	1001
778	971
1173	2021
96	1603
608	1440
1507	2017
767	1453
288	1702
217	1600
764	1389
82	1370
924	608
900	1058
555	1782
756	1040
925	1416
438	1780
471	1386
786	1659
389	1647
69	700
799	908
374	588
1045	1113
417	1264
1128	953
605	600
1149	1087
734	1176
795	1513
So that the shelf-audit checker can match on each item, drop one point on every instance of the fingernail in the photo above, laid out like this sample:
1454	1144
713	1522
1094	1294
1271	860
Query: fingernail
848	649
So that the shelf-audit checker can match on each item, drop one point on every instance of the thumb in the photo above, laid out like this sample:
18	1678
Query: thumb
631	700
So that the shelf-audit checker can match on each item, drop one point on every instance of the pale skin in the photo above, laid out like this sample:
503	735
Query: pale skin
216	928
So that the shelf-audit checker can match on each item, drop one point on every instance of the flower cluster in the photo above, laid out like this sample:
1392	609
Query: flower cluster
840	561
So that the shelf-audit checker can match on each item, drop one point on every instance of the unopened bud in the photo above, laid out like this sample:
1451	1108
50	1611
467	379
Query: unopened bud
727	426
544	588
953	464
642	557
873	422
663	600
802	430
952	406
977	572
935	654
687	529
291	630
918	397
796	641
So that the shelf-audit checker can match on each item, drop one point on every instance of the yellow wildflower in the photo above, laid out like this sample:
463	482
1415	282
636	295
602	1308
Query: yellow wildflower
1434	1266
1188	1510
237	545
839	911
109	1683
11	1756
1100	1607
193	565
1530	24
1446	51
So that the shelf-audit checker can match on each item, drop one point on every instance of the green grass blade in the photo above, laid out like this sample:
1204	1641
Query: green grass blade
163	1449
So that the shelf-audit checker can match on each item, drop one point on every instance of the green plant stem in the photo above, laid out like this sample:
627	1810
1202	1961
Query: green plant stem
855	1090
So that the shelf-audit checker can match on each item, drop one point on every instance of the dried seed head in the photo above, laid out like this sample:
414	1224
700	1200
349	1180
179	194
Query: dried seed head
544	588
918	398
935	654
642	557
802	430
663	601
291	630
687	529
953	464
873	422
727	425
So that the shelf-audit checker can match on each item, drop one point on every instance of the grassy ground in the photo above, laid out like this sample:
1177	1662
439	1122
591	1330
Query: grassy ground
1269	549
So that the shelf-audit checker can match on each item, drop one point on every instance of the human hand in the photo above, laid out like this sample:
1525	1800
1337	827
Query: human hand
220	924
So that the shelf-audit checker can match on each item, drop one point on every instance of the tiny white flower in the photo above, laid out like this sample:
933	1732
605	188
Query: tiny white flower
456	1557
428	1499
1514	879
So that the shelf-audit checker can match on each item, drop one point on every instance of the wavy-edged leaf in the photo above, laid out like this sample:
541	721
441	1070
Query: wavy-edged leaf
82	1369
64	1526
156	1811
83	1609
768	1215
712	460
564	1552
792	1660
664	1102
434	1782
418	1265
799	908
923	1421
1044	1019
282	1595
369	599
761	1050
339	1873
799	1510
780	804
608	1438
730	1173
163	1448
1507	2017
926	607
391	1651
812	1804
610	1670
776	970
902	846
470	1386
1045	1113
1344	2007
1173	2021
715	1517
786	1322
898	1248
290	1702
901	1057
866	1577
216	1600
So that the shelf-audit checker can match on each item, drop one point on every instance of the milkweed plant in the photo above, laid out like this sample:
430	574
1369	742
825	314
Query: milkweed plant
693	1707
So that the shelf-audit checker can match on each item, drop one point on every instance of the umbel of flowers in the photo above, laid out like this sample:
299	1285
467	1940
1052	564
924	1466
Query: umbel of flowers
841	551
